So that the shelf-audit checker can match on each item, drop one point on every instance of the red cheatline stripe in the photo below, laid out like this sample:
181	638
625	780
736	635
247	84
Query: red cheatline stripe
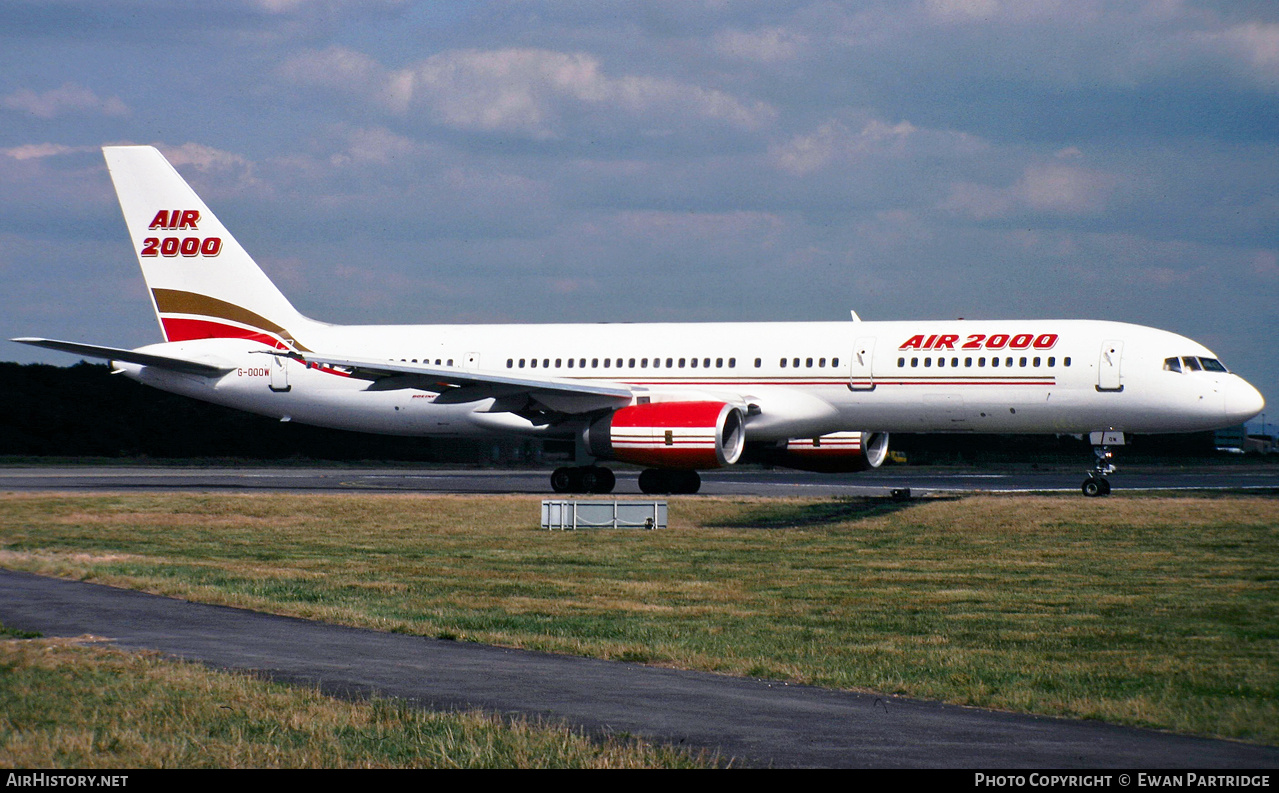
176	329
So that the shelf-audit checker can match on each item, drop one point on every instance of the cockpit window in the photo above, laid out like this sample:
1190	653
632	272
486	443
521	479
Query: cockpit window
1191	363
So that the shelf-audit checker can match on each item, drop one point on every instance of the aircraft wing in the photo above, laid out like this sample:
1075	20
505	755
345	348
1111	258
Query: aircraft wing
129	356
468	385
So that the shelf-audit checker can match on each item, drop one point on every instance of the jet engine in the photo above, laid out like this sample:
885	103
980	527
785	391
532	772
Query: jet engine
687	435
838	452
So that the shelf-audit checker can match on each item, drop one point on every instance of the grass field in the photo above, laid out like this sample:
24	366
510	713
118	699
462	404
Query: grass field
1145	610
76	704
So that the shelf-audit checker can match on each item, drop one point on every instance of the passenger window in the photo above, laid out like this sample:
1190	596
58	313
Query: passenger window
595	363
783	363
914	362
1022	363
834	362
732	362
994	362
510	362
1052	361
796	363
928	362
1065	361
808	363
668	362
901	362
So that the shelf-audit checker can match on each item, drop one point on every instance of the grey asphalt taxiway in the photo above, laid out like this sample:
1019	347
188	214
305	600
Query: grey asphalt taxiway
753	722
920	481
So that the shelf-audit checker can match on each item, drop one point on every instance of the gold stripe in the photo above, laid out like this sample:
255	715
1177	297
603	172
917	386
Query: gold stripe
174	301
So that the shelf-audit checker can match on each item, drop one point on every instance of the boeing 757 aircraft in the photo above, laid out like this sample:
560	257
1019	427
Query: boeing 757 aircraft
678	398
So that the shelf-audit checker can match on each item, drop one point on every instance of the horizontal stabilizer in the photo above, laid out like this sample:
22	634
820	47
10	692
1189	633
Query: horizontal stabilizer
129	356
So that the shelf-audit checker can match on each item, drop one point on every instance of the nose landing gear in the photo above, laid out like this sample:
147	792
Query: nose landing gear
1097	484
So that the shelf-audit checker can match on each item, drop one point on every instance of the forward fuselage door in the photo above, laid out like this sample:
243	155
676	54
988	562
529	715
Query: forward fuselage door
859	375
1112	351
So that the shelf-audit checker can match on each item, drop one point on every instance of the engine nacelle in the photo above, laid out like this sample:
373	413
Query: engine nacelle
690	435
838	452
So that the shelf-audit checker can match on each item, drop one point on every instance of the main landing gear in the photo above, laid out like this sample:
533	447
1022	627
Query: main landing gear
583	479
1097	484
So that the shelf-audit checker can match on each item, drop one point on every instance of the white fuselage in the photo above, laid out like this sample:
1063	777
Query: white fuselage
798	380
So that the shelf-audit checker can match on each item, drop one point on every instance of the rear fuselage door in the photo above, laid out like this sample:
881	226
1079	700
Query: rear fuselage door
279	373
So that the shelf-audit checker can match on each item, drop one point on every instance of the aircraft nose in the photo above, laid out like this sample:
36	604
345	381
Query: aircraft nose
1243	401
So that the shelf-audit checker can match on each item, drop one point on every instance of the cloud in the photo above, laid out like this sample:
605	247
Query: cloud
768	45
1048	188
538	93
68	100
38	151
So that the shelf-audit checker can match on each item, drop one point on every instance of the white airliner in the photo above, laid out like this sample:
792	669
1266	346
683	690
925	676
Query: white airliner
820	396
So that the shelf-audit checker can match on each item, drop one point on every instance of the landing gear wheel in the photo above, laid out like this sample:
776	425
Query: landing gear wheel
605	481
562	480
653	481
1095	486
583	479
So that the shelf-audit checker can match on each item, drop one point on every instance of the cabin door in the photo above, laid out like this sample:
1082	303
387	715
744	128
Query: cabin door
1112	351
860	377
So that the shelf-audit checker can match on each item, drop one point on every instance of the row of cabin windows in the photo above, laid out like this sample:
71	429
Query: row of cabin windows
794	363
980	362
620	363
427	361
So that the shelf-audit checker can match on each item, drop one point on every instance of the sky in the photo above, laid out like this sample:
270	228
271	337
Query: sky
401	162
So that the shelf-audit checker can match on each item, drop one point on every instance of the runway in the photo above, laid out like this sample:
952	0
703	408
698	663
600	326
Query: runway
754	722
921	481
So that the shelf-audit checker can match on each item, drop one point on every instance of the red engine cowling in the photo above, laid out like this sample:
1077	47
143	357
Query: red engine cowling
688	435
838	452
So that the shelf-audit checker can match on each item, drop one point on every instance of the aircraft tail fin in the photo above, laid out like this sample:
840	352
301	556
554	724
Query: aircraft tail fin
203	284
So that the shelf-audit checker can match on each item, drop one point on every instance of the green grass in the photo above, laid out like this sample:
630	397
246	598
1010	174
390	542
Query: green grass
1155	611
73	704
